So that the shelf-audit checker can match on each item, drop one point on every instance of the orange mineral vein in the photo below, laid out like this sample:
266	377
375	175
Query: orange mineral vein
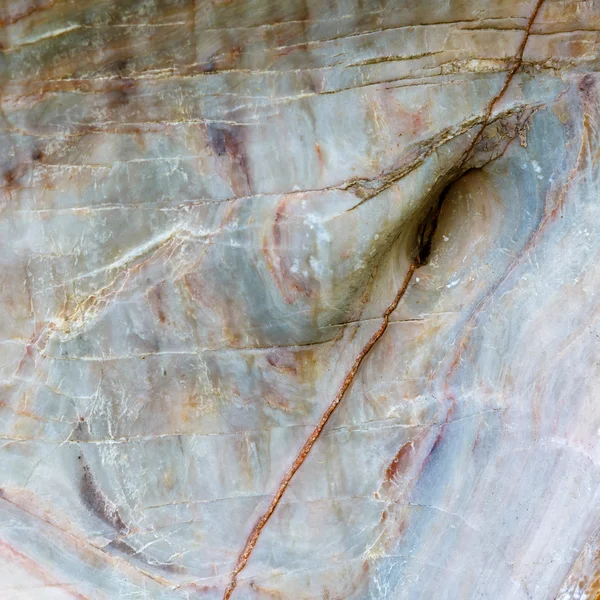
306	448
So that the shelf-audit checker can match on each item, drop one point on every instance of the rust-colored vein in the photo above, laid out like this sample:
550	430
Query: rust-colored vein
36	7
518	60
412	162
424	247
309	443
530	243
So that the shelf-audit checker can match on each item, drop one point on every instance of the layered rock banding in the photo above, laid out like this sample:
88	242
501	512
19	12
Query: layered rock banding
207	209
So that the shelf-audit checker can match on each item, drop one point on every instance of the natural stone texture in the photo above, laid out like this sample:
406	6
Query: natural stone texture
207	208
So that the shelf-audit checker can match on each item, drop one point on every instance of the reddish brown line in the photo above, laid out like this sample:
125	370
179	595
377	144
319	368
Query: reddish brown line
518	62
26	13
306	448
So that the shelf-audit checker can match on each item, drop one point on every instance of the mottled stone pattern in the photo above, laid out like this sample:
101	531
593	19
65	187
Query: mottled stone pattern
299	299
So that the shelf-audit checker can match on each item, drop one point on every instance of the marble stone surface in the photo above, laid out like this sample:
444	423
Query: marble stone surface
207	211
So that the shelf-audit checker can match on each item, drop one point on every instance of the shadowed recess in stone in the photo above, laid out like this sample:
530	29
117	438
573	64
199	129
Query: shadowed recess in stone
299	299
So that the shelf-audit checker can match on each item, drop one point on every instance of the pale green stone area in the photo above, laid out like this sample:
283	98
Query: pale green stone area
206	208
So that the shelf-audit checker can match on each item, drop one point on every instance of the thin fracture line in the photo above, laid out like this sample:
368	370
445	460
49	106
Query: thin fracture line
306	448
518	58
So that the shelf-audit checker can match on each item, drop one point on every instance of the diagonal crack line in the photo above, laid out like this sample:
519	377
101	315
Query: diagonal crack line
306	448
366	191
518	60
424	249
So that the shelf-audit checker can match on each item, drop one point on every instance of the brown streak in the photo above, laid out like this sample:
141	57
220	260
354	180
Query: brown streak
86	544
26	13
306	448
518	62
537	232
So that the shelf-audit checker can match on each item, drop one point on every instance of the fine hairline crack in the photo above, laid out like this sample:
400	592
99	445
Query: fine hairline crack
367	192
309	443
425	233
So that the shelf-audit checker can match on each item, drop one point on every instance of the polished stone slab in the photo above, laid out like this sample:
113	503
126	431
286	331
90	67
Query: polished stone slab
207	209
